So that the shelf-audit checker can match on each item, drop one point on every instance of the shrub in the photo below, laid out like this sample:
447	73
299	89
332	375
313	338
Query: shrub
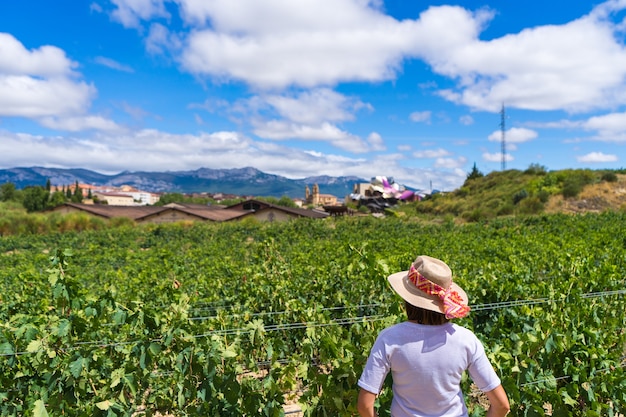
17	223
424	207
609	176
571	188
121	222
530	205
505	209
536	169
519	196
476	215
462	192
543	196
574	181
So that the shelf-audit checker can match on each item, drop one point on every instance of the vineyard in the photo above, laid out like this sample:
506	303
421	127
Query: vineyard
239	319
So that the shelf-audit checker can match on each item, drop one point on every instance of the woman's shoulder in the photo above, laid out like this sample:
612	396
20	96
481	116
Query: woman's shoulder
462	330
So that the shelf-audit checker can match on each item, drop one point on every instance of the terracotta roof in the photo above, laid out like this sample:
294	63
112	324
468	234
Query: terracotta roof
218	215
314	214
300	212
109	211
140	213
196	206
113	194
213	213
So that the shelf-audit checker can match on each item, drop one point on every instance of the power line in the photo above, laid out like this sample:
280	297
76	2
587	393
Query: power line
476	307
273	313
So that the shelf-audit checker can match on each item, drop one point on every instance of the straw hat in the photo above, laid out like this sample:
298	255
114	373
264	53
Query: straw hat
433	270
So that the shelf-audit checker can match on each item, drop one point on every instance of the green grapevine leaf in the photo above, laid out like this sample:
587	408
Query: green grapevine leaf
77	366
6	349
567	399
105	405
40	409
34	346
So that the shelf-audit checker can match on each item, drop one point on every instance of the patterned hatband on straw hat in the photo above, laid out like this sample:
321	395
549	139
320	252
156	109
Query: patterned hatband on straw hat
428	284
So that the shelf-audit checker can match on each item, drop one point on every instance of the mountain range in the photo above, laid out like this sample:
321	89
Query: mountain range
239	181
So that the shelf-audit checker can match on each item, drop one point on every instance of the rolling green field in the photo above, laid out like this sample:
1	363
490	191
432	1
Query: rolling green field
237	319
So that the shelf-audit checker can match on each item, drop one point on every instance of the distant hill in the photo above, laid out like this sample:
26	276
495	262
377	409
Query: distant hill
533	191
239	181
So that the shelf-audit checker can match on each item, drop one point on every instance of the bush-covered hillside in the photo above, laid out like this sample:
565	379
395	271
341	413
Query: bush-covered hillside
533	191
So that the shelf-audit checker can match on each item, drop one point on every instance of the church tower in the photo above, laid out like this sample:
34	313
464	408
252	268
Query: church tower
316	194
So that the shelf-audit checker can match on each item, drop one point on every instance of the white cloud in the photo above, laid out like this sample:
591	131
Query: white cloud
32	81
42	84
130	13
309	43
315	106
597	157
466	120
111	63
161	41
514	135
431	153
575	66
421	116
45	62
614	122
376	142
450	163
78	123
282	130
137	113
497	157
311	115
95	7
609	127
29	96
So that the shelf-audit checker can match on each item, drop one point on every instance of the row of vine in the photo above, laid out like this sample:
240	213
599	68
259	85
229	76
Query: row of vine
238	319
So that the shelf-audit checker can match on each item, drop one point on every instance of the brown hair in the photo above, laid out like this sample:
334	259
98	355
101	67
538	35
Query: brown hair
423	316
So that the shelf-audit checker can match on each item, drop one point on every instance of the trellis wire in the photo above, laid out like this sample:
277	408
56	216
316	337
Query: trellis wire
352	320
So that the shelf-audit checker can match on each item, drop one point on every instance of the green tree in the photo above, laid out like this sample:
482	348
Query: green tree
536	169
57	198
35	198
474	173
8	192
284	201
77	197
168	198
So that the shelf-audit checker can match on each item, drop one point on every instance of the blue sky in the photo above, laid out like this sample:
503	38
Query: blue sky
406	89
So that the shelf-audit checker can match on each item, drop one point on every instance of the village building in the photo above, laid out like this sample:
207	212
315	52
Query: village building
316	199
114	199
112	195
177	212
264	211
363	188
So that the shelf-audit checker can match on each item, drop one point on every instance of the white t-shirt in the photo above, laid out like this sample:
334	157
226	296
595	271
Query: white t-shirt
426	364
